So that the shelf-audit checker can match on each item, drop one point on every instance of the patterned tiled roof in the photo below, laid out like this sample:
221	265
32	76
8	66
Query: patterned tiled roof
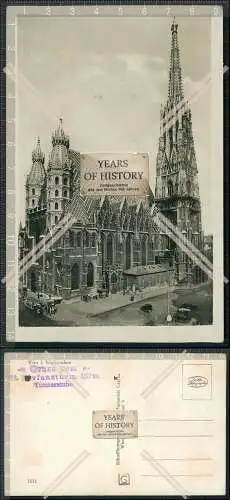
37	173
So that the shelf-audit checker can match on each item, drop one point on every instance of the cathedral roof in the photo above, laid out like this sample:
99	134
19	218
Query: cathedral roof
144	270
37	173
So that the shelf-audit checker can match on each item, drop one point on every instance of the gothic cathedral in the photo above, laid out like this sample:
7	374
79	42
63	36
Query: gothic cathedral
118	245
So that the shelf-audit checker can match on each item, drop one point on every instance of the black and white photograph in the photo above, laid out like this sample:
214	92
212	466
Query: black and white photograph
117	252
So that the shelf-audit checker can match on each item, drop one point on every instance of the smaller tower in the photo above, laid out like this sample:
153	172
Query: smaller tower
35	182
58	176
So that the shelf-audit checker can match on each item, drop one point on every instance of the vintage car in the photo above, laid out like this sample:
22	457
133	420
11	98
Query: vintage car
40	303
147	308
186	314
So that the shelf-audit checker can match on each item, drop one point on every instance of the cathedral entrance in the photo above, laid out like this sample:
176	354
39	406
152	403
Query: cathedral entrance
75	277
90	275
113	283
33	282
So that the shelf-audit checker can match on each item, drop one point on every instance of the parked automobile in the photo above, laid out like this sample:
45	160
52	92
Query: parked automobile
186	314
146	308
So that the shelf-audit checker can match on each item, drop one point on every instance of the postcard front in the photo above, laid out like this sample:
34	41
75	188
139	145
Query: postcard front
115	223
138	425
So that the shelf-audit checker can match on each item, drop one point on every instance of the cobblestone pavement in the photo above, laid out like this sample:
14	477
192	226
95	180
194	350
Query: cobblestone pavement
116	310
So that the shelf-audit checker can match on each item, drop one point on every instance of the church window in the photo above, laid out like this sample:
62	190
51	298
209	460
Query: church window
56	206
78	239
65	181
33	191
110	249
171	138
90	274
128	252
163	191
56	180
188	187
56	193
93	240
71	238
49	192
32	203
75	277
170	188
87	239
49	206
143	251
65	193
56	219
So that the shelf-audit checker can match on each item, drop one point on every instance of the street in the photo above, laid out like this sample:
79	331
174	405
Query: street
70	314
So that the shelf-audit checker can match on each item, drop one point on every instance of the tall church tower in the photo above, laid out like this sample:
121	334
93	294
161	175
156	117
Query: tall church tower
177	190
36	193
36	179
59	173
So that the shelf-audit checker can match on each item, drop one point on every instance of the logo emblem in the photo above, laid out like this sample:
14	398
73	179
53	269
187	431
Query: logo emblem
123	479
197	381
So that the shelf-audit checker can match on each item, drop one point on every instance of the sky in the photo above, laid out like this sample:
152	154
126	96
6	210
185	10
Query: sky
106	77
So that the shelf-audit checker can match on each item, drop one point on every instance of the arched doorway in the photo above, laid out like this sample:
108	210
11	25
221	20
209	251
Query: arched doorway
90	274
128	252
33	281
113	283
75	277
109	249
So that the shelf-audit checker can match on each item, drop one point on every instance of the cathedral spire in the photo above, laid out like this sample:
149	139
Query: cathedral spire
37	155
59	136
175	88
